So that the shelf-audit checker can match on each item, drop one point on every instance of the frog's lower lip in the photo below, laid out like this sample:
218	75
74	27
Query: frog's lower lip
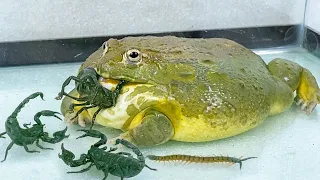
110	83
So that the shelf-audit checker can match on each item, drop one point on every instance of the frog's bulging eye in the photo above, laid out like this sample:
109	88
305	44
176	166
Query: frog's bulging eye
133	56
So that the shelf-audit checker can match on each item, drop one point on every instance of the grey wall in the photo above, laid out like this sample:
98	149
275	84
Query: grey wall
47	19
313	15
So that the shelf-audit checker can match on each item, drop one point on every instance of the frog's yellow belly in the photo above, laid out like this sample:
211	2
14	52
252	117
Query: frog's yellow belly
199	130
187	129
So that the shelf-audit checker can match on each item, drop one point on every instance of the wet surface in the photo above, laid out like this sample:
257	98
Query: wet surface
287	145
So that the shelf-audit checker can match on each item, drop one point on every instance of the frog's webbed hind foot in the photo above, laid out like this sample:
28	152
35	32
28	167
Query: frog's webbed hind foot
308	93
299	79
306	105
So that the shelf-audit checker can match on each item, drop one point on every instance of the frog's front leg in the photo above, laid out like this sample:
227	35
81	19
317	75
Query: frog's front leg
300	80
155	129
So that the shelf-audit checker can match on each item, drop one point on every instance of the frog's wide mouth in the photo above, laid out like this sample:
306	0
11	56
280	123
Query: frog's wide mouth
111	83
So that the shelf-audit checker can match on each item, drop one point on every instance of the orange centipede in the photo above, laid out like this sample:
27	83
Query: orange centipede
199	159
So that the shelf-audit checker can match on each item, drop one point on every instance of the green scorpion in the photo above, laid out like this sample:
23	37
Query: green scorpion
29	135
120	164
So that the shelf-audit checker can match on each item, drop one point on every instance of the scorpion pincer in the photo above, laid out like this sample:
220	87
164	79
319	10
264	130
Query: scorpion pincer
121	164
29	135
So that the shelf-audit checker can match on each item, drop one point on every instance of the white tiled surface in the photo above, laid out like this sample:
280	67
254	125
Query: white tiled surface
287	145
313	15
46	19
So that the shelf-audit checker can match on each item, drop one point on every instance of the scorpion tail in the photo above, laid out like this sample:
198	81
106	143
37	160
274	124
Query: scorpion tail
24	102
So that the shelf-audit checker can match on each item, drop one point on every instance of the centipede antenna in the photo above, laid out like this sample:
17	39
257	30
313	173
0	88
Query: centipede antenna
245	160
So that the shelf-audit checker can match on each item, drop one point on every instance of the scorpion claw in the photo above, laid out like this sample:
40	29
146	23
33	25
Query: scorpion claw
118	141
59	97
113	141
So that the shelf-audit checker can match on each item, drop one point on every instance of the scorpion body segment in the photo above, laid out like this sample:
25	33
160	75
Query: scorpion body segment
29	135
199	159
91	93
120	164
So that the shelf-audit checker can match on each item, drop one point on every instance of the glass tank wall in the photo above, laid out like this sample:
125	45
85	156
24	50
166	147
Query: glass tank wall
42	43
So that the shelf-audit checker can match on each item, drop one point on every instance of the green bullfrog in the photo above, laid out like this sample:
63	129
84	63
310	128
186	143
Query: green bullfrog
192	90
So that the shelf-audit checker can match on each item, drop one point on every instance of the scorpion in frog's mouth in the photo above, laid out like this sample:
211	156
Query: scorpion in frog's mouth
91	92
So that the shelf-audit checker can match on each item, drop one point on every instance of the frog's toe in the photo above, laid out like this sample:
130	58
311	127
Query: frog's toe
306	105
71	119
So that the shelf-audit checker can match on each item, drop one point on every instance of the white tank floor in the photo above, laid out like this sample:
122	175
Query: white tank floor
287	145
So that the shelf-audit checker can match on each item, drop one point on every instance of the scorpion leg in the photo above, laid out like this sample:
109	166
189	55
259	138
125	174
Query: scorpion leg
94	116
82	109
75	98
125	153
117	90
111	149
106	173
83	170
66	83
57	136
7	150
104	148
153	169
41	147
26	125
72	105
29	151
1	135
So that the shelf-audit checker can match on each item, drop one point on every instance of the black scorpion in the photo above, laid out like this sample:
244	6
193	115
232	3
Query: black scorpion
120	164
29	135
91	92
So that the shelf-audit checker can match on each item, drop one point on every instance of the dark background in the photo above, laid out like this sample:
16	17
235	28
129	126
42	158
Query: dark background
78	49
